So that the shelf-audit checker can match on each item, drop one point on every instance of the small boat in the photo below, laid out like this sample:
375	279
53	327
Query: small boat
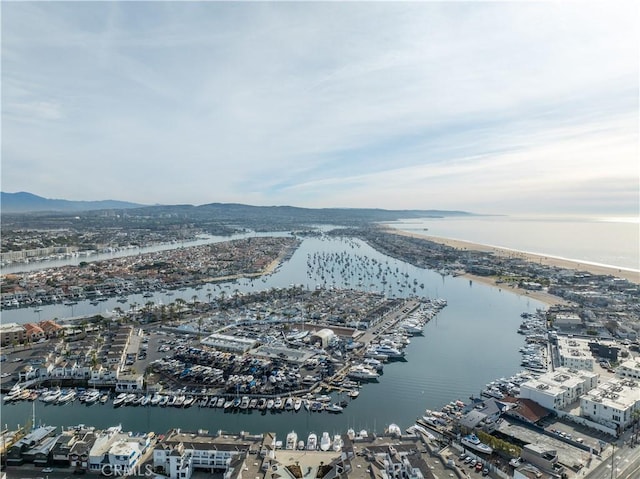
334	408
312	442
288	404
221	402
164	400
104	398
262	403
91	396
244	402
253	403
66	396
292	440
270	403
297	404
188	401
337	443
325	441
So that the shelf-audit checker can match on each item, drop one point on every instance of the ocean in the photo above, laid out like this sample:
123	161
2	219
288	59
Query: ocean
607	241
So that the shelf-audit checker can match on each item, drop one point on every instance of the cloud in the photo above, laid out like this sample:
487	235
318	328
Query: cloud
323	104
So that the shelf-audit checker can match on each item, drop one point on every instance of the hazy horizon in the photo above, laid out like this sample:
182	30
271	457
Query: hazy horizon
494	108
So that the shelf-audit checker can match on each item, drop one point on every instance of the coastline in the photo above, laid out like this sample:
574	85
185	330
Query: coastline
632	276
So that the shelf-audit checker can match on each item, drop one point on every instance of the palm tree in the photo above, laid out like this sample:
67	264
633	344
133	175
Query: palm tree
200	327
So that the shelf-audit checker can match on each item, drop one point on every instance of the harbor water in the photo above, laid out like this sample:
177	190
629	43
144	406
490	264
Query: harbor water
470	343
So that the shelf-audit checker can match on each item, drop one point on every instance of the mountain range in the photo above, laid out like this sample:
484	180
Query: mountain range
25	203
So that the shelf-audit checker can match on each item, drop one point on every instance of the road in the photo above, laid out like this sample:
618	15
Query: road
625	465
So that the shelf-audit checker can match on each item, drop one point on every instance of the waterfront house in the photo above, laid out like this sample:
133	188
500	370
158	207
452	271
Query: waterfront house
16	454
28	373
183	452
127	382
114	450
558	389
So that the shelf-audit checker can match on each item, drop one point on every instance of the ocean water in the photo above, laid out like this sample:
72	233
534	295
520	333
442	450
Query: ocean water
606	241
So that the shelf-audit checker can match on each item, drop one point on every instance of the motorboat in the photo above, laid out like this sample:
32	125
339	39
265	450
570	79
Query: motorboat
325	441
362	373
473	442
337	443
119	400
312	442
292	440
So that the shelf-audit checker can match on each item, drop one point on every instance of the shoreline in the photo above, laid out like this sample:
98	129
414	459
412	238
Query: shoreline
543	296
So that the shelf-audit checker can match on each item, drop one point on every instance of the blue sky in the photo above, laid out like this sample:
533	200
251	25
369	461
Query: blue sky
502	107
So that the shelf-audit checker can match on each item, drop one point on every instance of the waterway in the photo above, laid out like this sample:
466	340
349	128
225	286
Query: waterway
470	343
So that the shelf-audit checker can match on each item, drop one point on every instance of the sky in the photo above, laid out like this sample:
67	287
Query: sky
497	107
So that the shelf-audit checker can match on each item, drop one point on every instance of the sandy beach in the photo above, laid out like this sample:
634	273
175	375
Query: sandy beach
632	276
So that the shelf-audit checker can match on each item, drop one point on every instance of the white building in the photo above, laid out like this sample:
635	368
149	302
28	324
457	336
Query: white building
629	369
557	389
575	354
567	321
115	452
612	404
182	452
234	344
129	382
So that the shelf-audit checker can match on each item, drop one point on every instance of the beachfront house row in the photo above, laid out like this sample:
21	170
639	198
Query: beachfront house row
558	389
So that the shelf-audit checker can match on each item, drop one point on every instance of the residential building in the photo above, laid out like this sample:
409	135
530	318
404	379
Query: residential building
11	334
557	389
575	354
612	404
629	369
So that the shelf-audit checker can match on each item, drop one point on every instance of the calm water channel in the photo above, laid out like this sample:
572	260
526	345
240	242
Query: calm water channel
470	343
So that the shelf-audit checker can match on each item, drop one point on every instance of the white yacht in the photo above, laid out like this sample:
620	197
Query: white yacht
362	373
292	440
337	443
325	441
472	442
312	442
